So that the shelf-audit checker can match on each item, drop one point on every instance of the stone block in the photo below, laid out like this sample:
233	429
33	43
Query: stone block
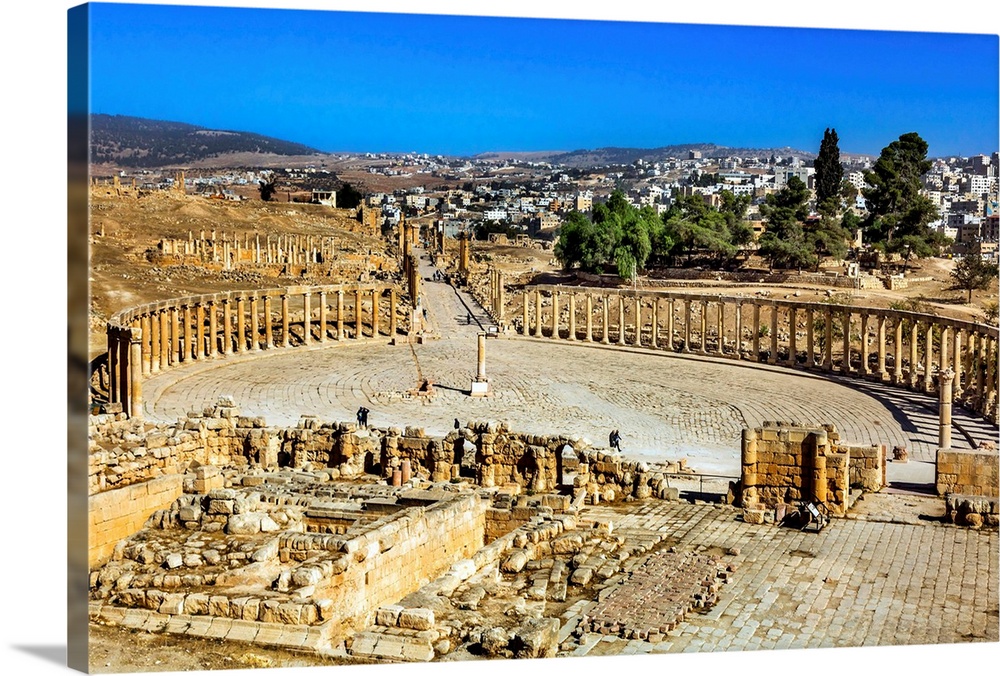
416	618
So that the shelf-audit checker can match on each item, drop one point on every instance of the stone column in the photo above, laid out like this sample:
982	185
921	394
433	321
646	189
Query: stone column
164	338
241	324
881	373
687	325
213	331
358	330
392	313
605	318
756	330
146	354
114	389
572	316
285	338
956	358
538	313
772	358
307	318
897	351
670	323
914	324
943	350
126	366
590	318
703	305
792	347
187	333
555	314
970	352
738	352
322	316
721	331
864	344
810	338
621	319
945	380
227	327
135	383
340	314
928	357
525	329
254	323
638	321
481	356
654	323
268	329
991	374
821	439
375	299
845	366
828	337
199	318
982	354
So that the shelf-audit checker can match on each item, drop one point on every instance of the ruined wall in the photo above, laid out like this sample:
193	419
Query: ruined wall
787	462
967	472
116	514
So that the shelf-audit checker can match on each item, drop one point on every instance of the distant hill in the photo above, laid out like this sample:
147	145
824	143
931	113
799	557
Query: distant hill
138	142
606	156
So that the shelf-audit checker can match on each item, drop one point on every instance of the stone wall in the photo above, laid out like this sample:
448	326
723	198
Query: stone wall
967	472
787	462
117	514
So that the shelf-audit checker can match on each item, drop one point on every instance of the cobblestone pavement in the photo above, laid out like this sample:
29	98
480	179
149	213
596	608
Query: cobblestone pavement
856	583
667	406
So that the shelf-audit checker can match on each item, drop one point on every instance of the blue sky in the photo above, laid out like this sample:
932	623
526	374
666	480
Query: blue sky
342	81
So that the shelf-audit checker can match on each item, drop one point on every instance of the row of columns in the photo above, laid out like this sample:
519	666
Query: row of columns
154	340
291	249
686	323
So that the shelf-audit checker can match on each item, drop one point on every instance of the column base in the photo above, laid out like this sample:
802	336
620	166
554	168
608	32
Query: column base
480	388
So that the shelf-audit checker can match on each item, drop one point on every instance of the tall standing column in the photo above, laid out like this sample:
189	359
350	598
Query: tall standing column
792	347
340	314
721	331
572	316
703	306
845	365
135	383
654	323
187	333
928	357
538	313
590	318
756	330
670	324
943	349
687	324
738	351
991	374
828	338
241	324
268	329
147	344
114	388
864	344
945	380
881	373
555	314
322	316
525	328
604	319
358	330
199	318
285	338
307	318
375	299
956	357
254	322
897	351
621	319
213	331
227	327
392	313
127	366
914	332
638	321
970	353
982	354
810	338
772	358
164	338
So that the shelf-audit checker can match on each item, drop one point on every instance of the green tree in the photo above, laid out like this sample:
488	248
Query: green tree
784	241
829	174
972	273
898	215
267	190
348	197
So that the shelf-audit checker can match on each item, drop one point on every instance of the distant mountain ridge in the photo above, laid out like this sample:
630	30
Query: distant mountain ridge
143	143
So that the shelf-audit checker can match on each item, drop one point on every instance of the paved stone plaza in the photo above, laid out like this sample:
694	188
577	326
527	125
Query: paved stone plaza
666	405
